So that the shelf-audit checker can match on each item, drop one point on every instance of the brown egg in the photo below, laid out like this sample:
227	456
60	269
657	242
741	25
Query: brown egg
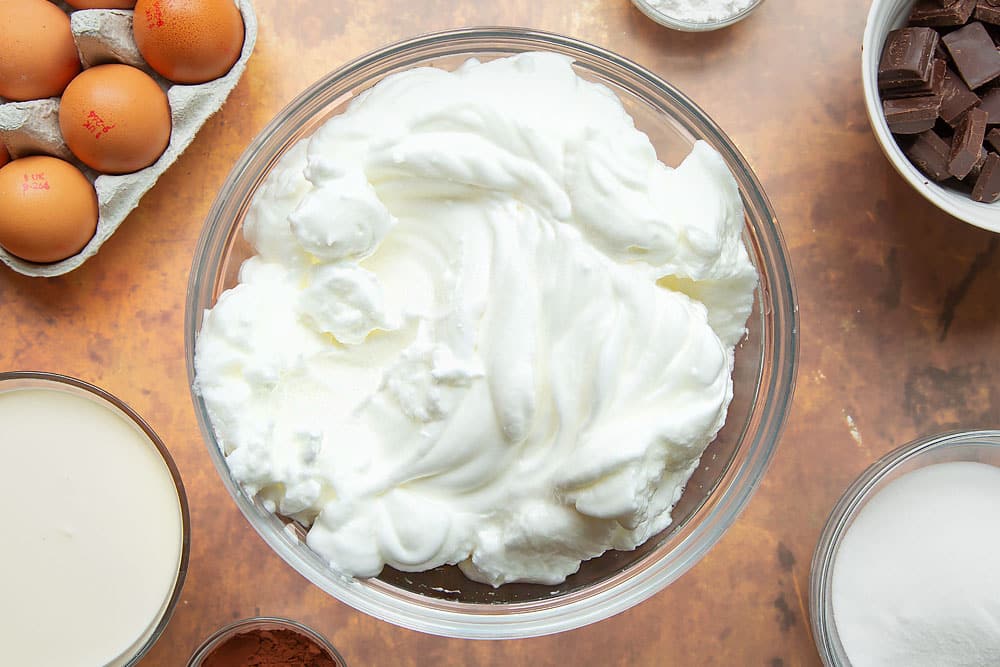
48	209
189	41
4	155
37	53
101	4
115	119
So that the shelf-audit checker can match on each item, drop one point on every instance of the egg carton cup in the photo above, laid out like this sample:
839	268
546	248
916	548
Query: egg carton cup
32	128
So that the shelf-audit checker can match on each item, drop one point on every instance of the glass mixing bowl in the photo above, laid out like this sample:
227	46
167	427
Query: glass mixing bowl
443	601
975	446
13	381
259	624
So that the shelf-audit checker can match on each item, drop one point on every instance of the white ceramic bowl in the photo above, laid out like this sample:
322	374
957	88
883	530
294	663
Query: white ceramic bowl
884	16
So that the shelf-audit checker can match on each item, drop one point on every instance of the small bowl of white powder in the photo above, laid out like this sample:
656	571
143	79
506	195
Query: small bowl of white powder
697	15
905	569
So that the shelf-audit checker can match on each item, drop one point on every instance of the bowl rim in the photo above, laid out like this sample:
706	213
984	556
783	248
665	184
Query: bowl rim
779	317
109	400
668	21
956	204
847	507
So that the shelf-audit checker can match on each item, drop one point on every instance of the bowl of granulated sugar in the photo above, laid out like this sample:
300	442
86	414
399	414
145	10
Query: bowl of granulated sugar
905	572
697	15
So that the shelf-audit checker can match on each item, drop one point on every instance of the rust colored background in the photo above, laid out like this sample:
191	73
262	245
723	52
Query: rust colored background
900	330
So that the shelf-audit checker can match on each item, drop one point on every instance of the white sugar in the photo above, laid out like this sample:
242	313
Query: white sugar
700	11
917	579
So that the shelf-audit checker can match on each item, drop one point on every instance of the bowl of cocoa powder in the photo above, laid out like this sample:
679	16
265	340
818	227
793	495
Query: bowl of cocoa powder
266	641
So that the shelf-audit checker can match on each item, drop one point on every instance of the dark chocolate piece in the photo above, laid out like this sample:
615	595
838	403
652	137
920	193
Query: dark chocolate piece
931	13
911	115
978	167
939	52
994	138
987	187
955	74
956	98
991	105
988	11
933	86
929	153
967	143
907	58
974	54
938	69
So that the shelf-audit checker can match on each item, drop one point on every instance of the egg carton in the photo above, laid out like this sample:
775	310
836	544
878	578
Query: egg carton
32	128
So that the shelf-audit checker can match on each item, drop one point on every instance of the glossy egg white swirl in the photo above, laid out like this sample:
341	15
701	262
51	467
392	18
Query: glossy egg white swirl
484	326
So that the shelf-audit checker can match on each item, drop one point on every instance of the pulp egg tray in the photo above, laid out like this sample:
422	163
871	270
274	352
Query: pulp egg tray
32	127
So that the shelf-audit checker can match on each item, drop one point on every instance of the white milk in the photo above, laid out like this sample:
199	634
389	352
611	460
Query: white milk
92	531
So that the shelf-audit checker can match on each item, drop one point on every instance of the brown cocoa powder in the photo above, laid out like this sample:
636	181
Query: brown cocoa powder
269	648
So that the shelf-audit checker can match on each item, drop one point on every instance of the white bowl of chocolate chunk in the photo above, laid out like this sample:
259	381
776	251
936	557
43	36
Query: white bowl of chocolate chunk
931	73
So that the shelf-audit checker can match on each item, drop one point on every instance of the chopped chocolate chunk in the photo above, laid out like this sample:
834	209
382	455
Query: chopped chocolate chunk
967	143
956	98
955	76
929	153
931	13
988	11
994	138
987	187
978	167
938	69
911	115
939	52
974	54
907	58
991	105
933	86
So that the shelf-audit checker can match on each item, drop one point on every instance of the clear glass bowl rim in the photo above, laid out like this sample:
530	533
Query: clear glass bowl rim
42	378
854	498
780	351
668	21
264	623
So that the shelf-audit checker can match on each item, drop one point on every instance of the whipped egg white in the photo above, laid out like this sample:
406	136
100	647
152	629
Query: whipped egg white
484	326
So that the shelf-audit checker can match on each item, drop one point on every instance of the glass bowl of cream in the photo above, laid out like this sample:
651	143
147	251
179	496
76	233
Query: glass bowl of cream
438	164
904	570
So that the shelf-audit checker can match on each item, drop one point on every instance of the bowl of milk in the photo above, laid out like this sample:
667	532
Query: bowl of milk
97	538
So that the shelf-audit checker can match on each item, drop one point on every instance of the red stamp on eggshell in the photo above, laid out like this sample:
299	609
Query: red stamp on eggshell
96	125
154	16
36	181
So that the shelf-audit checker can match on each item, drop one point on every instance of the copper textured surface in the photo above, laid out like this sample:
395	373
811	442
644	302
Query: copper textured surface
900	324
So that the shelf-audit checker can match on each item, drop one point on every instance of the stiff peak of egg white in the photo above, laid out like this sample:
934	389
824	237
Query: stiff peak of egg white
484	326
